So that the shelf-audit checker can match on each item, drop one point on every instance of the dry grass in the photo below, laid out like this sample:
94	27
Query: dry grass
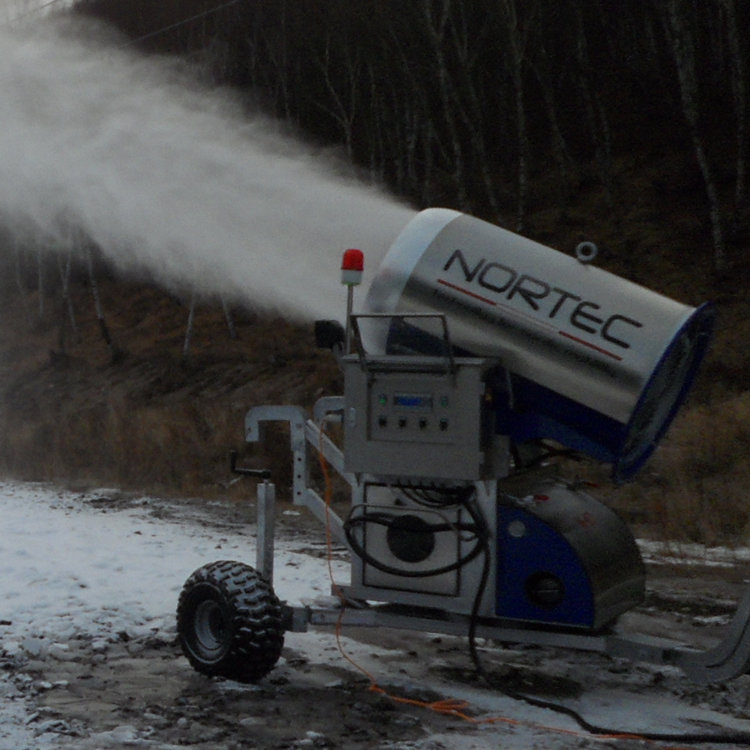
150	420
697	488
693	489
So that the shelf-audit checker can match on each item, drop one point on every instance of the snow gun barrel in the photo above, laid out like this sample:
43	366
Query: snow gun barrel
592	361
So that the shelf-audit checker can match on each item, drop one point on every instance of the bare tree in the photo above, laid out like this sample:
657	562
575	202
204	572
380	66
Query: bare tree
342	87
281	59
64	266
18	266
117	353
595	111
679	25
467	42
189	328
40	281
229	318
548	73
436	17
516	36
738	76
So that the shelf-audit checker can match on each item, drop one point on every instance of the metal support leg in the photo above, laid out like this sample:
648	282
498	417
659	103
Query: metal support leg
266	522
305	434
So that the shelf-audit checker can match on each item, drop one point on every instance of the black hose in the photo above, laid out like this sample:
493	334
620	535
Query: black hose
478	528
729	738
390	520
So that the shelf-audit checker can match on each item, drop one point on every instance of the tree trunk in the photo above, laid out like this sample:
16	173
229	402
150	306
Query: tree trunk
682	45
19	275
229	318
189	330
465	45
116	353
595	112
40	282
343	106
738	73
64	268
516	52
435	24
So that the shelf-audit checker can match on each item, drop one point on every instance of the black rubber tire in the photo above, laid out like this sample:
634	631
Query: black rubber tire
229	622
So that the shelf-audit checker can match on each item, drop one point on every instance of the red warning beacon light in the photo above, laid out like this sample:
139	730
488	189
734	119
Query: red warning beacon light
352	265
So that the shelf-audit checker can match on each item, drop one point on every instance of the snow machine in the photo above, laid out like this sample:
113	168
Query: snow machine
476	350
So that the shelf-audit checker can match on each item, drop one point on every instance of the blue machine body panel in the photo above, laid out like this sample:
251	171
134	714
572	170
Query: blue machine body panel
564	558
523	559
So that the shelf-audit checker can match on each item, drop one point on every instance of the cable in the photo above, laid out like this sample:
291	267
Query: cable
447	707
458	708
31	12
176	25
594	729
436	497
143	37
393	520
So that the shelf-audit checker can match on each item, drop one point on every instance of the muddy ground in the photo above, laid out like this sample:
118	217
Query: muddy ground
141	692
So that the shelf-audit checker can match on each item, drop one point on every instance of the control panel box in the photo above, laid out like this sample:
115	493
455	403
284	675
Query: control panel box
415	417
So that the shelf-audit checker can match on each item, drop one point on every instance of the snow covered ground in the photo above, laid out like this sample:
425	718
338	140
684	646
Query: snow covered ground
90	580
96	566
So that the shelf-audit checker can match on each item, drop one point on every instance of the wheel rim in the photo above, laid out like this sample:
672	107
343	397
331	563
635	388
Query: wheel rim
211	629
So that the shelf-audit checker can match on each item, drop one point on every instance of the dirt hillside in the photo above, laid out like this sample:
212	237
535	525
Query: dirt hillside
139	412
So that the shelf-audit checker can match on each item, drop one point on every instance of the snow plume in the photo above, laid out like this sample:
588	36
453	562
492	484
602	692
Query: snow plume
167	178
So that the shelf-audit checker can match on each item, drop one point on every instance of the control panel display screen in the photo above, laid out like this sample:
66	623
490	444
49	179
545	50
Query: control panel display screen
416	401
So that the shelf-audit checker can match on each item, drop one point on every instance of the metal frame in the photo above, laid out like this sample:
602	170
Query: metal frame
450	366
727	660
